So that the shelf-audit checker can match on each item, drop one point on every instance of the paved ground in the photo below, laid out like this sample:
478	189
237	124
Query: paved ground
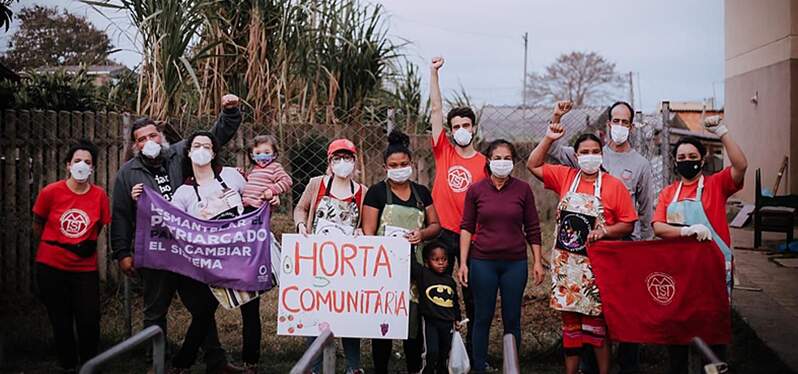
766	294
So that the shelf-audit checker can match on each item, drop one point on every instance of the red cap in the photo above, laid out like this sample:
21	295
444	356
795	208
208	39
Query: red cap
341	145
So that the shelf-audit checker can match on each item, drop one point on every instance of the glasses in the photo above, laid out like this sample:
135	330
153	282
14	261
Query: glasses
199	145
339	158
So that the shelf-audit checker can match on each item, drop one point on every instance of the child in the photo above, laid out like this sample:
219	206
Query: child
439	305
267	179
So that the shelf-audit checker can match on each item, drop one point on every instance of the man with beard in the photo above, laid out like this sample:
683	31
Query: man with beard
159	166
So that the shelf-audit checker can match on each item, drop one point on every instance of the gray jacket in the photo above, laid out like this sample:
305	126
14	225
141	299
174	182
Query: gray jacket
635	173
133	172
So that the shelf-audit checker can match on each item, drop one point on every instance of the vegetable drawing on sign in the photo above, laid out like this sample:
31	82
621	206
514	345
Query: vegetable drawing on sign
355	286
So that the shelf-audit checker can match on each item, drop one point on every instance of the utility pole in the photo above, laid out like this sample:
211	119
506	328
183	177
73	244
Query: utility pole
631	90
526	48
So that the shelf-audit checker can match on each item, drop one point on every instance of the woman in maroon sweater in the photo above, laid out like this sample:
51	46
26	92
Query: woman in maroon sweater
501	217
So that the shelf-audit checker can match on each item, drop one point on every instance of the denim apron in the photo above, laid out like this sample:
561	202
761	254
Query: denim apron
691	212
573	286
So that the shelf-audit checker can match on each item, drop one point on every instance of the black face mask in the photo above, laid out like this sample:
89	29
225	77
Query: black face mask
688	168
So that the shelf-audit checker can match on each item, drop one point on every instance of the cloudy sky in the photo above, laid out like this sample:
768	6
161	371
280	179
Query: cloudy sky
674	47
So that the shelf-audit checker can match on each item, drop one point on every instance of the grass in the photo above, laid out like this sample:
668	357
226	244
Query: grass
29	349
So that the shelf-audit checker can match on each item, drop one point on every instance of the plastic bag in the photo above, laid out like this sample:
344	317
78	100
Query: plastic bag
458	357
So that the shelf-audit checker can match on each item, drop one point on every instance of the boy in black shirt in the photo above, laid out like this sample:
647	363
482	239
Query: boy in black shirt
439	305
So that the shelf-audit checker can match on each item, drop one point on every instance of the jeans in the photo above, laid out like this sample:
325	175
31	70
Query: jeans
250	319
438	343
160	287
71	298
351	353
486	278
452	241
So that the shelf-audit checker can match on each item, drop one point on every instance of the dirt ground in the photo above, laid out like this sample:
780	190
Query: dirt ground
27	337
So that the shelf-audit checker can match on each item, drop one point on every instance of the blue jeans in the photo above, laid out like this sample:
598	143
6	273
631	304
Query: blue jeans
486	278
351	353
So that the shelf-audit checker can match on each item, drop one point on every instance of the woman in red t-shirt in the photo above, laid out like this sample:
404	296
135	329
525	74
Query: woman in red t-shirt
695	205
68	217
594	206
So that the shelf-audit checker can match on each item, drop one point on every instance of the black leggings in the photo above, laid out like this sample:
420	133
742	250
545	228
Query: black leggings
438	339
250	317
381	354
72	299
199	301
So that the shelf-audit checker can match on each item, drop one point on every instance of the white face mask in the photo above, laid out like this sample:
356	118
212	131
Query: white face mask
463	137
619	134
400	175
589	164
201	157
151	149
501	168
80	171
343	168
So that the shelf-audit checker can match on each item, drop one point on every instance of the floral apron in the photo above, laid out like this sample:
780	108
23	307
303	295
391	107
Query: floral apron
573	286
335	216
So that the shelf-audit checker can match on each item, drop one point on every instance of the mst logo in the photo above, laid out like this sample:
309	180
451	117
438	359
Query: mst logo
661	287
74	223
459	178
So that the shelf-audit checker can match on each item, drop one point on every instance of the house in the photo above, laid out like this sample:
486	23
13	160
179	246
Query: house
761	99
102	74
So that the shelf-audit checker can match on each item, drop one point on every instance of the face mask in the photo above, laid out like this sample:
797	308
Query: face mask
463	137
589	164
688	168
501	168
201	157
262	158
400	175
80	171
619	134
343	169
151	149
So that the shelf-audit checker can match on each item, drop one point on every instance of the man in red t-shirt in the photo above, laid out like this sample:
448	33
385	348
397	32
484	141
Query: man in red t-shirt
457	167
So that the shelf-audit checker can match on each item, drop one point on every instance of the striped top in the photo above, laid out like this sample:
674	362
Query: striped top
272	177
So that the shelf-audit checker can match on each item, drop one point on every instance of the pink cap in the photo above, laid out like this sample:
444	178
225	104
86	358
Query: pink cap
341	145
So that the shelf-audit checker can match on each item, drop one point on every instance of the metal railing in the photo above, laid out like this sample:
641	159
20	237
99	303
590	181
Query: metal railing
323	344
701	359
510	365
153	333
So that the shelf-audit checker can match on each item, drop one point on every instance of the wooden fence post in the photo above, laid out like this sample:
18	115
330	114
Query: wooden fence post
10	271
24	216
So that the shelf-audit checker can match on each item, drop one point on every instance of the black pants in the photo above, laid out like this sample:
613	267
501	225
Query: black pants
72	300
250	318
628	359
679	357
452	241
438	343
160	287
413	350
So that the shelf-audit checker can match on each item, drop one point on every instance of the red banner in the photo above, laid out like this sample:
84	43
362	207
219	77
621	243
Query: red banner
662	291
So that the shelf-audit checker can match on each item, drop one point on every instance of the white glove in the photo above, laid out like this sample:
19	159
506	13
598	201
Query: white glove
701	232
714	125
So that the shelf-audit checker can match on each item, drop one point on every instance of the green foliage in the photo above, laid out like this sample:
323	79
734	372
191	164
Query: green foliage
61	90
47	37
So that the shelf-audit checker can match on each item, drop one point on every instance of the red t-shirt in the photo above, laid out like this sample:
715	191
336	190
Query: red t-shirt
618	205
717	189
70	219
453	175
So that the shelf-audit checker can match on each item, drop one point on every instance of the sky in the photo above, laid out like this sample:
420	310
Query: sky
674	48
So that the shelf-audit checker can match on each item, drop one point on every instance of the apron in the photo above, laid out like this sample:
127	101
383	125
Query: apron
573	286
397	220
335	216
228	297
691	212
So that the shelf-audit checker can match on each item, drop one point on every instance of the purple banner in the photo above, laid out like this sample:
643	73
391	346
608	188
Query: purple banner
231	253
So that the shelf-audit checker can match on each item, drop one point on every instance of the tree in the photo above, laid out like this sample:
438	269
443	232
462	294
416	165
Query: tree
47	37
585	78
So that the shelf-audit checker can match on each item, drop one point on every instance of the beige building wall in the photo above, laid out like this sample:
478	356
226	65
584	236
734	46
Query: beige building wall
762	66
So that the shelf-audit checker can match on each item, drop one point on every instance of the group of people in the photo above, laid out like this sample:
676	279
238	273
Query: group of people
474	229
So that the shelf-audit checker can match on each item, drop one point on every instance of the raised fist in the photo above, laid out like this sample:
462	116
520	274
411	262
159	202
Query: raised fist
230	101
437	62
562	107
555	131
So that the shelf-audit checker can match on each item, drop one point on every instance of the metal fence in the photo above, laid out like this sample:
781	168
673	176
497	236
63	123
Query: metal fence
33	145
